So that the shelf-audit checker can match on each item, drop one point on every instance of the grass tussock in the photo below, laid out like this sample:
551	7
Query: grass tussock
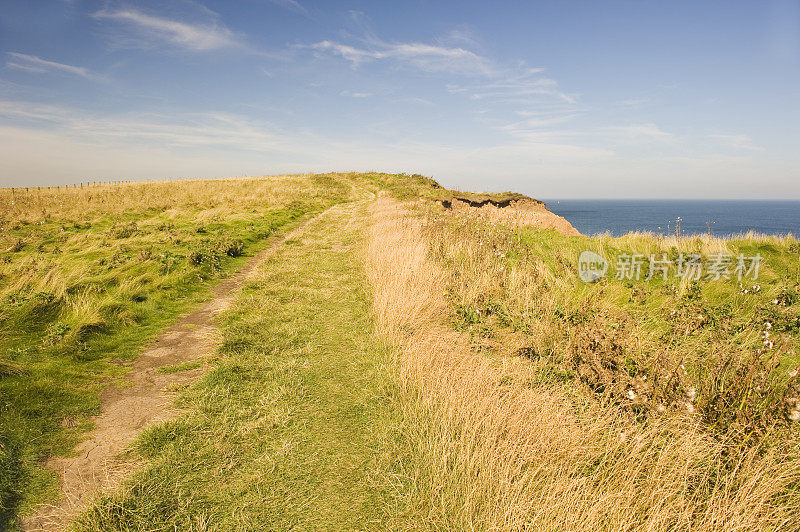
510	370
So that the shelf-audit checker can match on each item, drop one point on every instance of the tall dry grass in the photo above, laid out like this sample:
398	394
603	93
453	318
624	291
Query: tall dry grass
212	196
725	349
492	452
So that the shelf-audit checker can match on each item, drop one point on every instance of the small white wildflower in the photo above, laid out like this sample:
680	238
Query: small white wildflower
768	344
661	409
794	415
767	325
631	395
774	301
766	334
793	373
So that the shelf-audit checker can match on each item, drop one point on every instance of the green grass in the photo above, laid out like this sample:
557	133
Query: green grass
80	297
184	366
294	428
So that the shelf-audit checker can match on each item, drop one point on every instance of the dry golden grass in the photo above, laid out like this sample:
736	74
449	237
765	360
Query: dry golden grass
725	349
153	204
494	453
211	195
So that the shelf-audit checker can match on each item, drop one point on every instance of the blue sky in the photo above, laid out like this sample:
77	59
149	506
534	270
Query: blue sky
679	99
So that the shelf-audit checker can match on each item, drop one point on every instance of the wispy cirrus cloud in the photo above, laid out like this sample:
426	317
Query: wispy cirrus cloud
186	130
498	89
515	86
427	57
154	144
189	36
737	142
35	64
451	53
548	127
290	5
355	94
640	131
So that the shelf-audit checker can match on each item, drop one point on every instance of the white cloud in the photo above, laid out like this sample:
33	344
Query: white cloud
219	143
537	121
515	86
291	5
193	130
32	63
420	101
355	94
32	112
83	146
636	103
463	35
615	139
193	37
426	57
738	142
640	131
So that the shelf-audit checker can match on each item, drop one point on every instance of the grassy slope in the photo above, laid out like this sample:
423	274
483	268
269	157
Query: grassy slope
501	352
88	276
533	300
293	428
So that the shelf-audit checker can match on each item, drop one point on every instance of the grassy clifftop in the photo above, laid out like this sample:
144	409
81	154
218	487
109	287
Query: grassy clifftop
415	358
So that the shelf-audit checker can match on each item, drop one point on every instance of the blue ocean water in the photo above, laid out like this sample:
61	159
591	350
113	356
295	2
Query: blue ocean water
723	217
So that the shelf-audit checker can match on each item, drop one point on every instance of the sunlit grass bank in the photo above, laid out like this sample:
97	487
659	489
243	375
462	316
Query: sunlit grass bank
724	347
542	402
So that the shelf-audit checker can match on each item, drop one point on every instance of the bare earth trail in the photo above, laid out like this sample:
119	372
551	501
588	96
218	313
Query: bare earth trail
99	463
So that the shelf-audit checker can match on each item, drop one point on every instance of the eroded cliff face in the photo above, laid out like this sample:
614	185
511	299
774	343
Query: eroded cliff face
513	208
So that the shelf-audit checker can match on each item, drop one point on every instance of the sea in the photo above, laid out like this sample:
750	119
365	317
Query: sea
719	217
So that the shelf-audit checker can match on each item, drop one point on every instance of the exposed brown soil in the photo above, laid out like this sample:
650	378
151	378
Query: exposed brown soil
508	199
100	462
512	208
